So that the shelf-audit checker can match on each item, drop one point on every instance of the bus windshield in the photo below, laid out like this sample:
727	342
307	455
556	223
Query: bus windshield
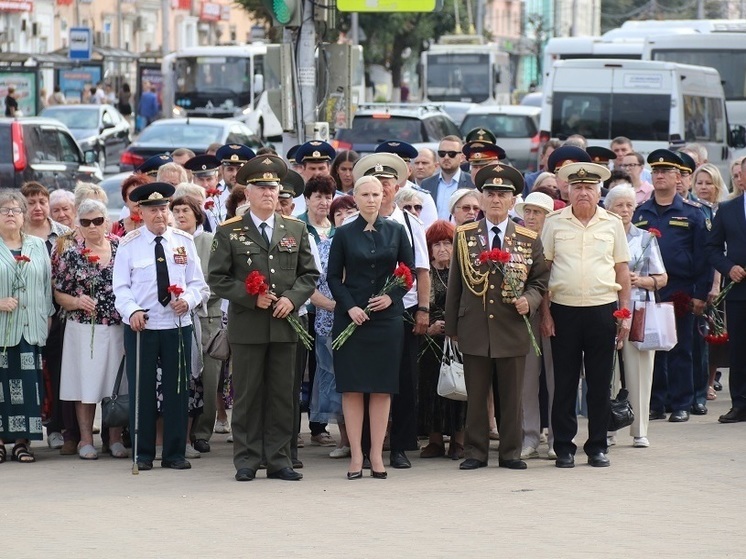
459	77
213	74
730	63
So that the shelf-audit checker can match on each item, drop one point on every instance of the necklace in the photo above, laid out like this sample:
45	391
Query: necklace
440	277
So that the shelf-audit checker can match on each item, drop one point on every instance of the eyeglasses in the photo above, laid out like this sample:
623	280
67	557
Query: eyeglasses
451	154
468	208
416	207
97	221
628	165
8	211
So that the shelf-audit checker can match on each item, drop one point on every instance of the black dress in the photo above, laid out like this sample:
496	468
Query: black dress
360	262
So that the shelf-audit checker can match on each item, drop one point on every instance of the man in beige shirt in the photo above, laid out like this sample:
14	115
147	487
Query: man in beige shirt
586	249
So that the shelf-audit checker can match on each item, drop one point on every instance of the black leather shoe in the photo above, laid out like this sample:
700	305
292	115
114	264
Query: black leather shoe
699	409
567	461
679	416
286	474
355	475
735	415
399	460
512	464
599	460
245	474
144	465
378	475
656	415
176	464
297	464
201	445
472	464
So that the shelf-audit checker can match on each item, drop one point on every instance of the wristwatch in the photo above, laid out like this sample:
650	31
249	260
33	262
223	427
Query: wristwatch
423	309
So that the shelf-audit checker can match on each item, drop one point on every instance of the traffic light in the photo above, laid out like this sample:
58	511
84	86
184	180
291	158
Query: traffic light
285	13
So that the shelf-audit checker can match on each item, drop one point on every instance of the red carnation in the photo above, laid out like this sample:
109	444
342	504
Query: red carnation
681	303
22	259
655	232
85	251
210	204
501	256
484	257
93	258
212	192
256	284
403	272
136	218
622	314
175	290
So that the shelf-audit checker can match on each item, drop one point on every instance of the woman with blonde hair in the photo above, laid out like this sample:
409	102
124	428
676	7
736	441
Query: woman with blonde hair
89	191
708	185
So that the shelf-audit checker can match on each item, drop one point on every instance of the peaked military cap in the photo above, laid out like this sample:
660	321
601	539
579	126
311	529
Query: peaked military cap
292	185
314	151
234	154
151	165
290	155
499	177
482	153
688	164
600	155
153	194
583	173
564	155
265	170
665	158
404	150
381	165
480	135
201	165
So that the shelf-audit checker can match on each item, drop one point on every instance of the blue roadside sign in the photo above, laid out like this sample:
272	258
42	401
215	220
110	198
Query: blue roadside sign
81	43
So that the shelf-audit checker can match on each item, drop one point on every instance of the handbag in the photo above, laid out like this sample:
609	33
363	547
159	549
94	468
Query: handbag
660	327
621	415
218	346
637	328
115	411
451	382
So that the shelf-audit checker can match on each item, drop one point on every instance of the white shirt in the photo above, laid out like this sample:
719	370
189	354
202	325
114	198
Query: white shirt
270	221
135	282
429	213
502	226
445	189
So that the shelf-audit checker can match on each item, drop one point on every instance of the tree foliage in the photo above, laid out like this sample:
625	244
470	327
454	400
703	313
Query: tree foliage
615	12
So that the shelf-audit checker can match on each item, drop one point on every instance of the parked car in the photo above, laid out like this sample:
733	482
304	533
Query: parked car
456	110
196	134
112	185
419	125
516	128
533	99
43	150
96	127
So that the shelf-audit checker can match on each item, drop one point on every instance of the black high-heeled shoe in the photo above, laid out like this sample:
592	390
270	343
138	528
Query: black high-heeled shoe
378	475
355	475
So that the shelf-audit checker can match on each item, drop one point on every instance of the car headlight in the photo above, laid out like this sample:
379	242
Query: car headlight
243	111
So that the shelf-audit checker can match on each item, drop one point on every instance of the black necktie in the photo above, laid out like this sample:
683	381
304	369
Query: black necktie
496	239
263	227
161	273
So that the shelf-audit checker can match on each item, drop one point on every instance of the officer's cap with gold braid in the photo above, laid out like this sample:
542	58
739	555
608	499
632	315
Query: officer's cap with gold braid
499	177
151	165
480	135
381	165
264	170
583	173
688	165
292	185
482	153
153	194
314	151
665	159
600	154
234	154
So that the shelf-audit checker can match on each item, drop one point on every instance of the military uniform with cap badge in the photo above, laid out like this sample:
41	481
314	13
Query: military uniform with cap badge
682	244
146	264
263	347
151	165
232	157
480	311
207	167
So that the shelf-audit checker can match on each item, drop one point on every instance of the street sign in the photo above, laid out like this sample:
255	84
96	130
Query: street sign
386	5
81	43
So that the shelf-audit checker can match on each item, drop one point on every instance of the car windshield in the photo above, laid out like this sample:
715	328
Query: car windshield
374	130
501	125
77	118
180	134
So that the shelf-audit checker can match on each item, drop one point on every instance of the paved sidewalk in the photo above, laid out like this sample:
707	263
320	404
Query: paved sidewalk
682	497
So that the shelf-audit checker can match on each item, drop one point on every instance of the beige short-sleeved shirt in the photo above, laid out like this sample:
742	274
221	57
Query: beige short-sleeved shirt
583	257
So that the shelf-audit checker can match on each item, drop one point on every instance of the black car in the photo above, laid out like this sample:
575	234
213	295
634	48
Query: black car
96	127
43	150
196	134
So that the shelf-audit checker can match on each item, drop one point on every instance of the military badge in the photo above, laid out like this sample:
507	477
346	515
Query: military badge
288	242
180	255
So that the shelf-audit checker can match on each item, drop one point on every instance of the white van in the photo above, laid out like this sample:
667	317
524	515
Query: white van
654	104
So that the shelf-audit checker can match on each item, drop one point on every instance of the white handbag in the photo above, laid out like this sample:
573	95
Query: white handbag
451	383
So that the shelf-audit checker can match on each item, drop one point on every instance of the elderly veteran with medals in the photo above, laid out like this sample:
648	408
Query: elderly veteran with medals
586	248
277	248
157	281
485	310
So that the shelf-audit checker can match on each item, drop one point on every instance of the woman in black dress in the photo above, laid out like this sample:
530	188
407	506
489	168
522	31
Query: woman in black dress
364	254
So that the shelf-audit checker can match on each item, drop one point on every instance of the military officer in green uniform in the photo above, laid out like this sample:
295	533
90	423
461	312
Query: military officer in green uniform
262	341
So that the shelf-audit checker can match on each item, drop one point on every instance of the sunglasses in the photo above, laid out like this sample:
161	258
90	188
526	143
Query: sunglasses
468	208
451	154
416	207
97	221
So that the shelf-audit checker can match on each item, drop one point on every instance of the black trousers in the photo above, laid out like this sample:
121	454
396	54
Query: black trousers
315	427
63	418
736	316
584	336
404	404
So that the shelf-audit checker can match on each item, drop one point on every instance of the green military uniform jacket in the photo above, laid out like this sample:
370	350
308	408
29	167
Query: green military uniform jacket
288	266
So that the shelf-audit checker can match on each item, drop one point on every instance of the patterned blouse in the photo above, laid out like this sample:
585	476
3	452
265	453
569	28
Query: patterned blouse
74	275
324	319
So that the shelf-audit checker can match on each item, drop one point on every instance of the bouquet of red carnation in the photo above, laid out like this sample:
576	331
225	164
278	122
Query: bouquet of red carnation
92	260
499	259
177	291
256	284
212	204
619	314
18	283
713	329
402	277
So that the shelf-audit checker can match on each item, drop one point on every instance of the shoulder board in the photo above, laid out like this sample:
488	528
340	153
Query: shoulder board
413	217
418	188
132	235
182	233
232	220
692	203
706	203
292	218
526	232
467	226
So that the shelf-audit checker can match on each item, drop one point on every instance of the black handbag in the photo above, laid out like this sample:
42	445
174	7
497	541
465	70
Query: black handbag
621	415
115	411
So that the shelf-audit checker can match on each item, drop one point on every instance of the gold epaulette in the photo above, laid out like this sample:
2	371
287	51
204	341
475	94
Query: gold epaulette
232	220
292	218
526	232
130	237
467	226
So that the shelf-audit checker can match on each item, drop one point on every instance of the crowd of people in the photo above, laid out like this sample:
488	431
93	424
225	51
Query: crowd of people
355	273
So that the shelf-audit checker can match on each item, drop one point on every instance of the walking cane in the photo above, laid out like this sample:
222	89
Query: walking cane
135	469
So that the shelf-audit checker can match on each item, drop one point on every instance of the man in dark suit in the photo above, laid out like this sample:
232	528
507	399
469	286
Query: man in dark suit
726	250
485	317
450	178
262	341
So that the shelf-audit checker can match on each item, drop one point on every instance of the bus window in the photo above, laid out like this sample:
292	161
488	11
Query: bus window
704	118
730	64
